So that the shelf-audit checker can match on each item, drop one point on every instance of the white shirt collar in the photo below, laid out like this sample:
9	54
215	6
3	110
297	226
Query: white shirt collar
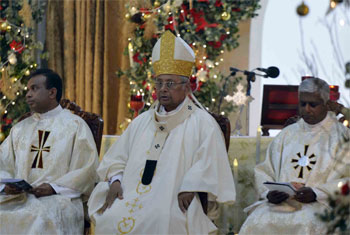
320	124
51	113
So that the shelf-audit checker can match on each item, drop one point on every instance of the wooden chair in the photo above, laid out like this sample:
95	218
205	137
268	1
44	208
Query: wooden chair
225	126
94	121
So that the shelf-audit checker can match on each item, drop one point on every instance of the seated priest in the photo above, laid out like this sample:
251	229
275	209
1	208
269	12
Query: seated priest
54	151
153	173
310	154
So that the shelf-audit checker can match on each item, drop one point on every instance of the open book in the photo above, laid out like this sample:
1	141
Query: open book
18	183
282	187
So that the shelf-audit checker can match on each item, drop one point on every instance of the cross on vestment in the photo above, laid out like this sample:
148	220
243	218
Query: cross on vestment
38	160
304	161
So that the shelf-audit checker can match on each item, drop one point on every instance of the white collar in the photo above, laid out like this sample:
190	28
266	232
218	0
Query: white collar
51	113
321	124
162	110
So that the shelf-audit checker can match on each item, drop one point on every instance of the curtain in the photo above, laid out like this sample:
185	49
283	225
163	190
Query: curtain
85	40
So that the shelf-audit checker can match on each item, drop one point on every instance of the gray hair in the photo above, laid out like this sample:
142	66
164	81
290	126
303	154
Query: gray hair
315	85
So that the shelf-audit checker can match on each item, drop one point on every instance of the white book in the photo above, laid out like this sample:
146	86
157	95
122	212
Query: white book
282	187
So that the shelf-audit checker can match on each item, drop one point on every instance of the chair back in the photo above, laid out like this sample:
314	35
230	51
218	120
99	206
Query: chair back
225	126
94	121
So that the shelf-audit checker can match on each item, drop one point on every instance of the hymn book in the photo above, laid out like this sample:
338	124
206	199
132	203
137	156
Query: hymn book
20	184
282	187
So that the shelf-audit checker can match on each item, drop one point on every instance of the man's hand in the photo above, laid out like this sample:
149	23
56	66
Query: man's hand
12	189
276	197
43	190
185	199
305	195
115	191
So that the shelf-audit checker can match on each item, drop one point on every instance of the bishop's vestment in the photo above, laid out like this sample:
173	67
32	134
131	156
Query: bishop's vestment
315	155
58	148
191	157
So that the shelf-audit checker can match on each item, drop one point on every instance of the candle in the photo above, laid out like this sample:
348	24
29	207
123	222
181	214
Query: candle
258	137
235	175
235	170
131	54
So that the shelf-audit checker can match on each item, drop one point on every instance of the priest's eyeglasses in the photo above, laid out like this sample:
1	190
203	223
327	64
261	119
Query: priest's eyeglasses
168	84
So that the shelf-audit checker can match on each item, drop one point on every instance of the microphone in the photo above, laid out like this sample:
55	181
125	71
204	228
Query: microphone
271	71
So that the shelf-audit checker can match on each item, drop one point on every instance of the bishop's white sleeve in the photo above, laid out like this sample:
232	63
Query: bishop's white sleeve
118	176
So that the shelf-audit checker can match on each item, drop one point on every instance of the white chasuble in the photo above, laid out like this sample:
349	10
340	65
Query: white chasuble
58	148
315	155
191	157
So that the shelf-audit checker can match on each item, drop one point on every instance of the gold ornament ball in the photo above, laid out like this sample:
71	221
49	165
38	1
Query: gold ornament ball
127	16
2	136
156	3
3	26
302	9
147	16
225	16
27	73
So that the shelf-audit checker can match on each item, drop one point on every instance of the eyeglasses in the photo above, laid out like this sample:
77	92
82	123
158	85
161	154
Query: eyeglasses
312	104
168	84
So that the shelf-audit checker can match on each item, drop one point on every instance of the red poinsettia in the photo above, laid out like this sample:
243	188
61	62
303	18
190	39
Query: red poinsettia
137	59
199	20
184	14
236	9
154	95
171	23
218	3
215	44
16	46
8	121
143	26
223	37
345	189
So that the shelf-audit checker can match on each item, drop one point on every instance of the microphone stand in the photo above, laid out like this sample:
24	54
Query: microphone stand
232	74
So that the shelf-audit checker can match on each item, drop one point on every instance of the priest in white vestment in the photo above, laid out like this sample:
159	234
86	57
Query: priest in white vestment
167	154
313	155
54	151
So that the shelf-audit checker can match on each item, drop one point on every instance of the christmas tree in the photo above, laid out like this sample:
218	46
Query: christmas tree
210	27
17	58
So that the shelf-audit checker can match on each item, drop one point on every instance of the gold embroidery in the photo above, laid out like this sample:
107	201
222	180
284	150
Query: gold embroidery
142	189
166	63
126	225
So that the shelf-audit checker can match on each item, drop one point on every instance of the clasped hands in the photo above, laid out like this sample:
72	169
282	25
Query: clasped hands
116	191
42	190
304	195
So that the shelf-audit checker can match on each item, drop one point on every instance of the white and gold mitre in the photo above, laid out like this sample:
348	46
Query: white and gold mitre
172	55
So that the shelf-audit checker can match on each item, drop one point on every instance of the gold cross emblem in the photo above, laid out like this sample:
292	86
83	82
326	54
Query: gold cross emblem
38	160
304	161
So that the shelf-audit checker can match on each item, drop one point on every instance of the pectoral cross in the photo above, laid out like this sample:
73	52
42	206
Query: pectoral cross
38	160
